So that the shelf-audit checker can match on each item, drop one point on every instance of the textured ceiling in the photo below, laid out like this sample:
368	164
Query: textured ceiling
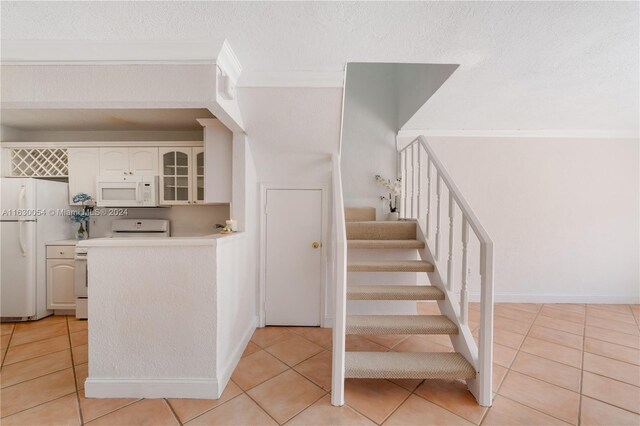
523	65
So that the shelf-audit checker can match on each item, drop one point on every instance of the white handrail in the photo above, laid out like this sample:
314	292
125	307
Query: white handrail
469	219
340	279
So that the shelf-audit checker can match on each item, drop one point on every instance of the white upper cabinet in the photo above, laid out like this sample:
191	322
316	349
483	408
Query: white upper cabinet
176	176
218	152
141	161
84	164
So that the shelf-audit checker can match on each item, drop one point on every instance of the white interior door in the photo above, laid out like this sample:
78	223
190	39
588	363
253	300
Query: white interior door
293	264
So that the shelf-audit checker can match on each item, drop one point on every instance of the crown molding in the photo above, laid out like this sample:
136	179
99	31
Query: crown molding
325	79
229	63
551	133
96	144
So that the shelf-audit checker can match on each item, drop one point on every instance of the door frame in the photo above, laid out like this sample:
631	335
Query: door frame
264	187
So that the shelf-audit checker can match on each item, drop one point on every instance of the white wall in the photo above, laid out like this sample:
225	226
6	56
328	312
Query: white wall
563	214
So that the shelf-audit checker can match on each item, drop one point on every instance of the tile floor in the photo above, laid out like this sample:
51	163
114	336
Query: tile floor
554	364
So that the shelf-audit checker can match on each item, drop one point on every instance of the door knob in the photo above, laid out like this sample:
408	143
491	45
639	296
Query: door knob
315	245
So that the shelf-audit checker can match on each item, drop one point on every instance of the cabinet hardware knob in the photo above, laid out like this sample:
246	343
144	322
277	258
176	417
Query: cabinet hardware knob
315	245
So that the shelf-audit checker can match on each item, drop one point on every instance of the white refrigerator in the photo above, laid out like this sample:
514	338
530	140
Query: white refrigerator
31	214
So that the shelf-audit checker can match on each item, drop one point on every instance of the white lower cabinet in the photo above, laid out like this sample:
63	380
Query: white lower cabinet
60	276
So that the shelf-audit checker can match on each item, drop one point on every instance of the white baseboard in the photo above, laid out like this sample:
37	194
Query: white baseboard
151	388
558	298
227	371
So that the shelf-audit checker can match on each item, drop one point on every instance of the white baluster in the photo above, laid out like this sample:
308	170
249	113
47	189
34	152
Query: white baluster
413	178
428	223
405	185
438	221
450	258
464	304
419	182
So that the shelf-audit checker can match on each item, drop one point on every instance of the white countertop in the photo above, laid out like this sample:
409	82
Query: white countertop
61	243
154	241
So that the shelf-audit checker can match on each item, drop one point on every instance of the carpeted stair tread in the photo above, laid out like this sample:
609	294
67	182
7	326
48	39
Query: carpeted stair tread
407	365
400	324
401	230
385	244
390	266
359	214
394	292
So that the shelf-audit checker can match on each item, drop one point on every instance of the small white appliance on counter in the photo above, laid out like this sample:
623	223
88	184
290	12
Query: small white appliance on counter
32	214
127	191
120	228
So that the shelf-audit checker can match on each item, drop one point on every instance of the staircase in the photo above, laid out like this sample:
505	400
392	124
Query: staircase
372	257
371	235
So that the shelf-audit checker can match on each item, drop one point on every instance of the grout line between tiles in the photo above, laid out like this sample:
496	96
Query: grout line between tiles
217	406
38	405
175	415
6	350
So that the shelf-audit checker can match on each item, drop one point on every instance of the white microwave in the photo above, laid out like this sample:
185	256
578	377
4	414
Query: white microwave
127	191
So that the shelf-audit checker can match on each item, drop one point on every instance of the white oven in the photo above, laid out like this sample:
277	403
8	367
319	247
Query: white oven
127	191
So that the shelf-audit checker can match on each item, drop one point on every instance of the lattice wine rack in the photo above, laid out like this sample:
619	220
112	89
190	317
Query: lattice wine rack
39	162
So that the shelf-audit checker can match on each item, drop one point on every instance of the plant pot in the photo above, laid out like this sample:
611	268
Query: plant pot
394	216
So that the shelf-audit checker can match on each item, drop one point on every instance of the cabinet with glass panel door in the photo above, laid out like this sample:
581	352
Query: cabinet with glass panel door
198	176
177	176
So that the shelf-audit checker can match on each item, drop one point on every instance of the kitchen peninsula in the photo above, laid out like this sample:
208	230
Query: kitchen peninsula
168	317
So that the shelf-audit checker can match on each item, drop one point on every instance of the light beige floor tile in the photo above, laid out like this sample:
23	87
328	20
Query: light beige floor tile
317	369
440	339
454	396
553	351
408	384
503	355
597	413
82	371
376	399
59	412
92	408
355	343
187	409
386	340
417	411
34	392
622	316
507	311
499	373
611	307
549	311
428	308
257	368
611	391
622	327
548	371
36	367
240	411
508	324
613	337
32	325
36	349
505	338
556	336
611	350
286	395
320	336
528	307
76	325
4	340
550	399
420	344
294	350
6	328
38	333
251	348
558	324
322	413
80	354
147	412
506	412
571	307
614	369
267	336
79	338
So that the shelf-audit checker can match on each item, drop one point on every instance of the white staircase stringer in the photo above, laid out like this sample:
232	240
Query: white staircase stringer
463	342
